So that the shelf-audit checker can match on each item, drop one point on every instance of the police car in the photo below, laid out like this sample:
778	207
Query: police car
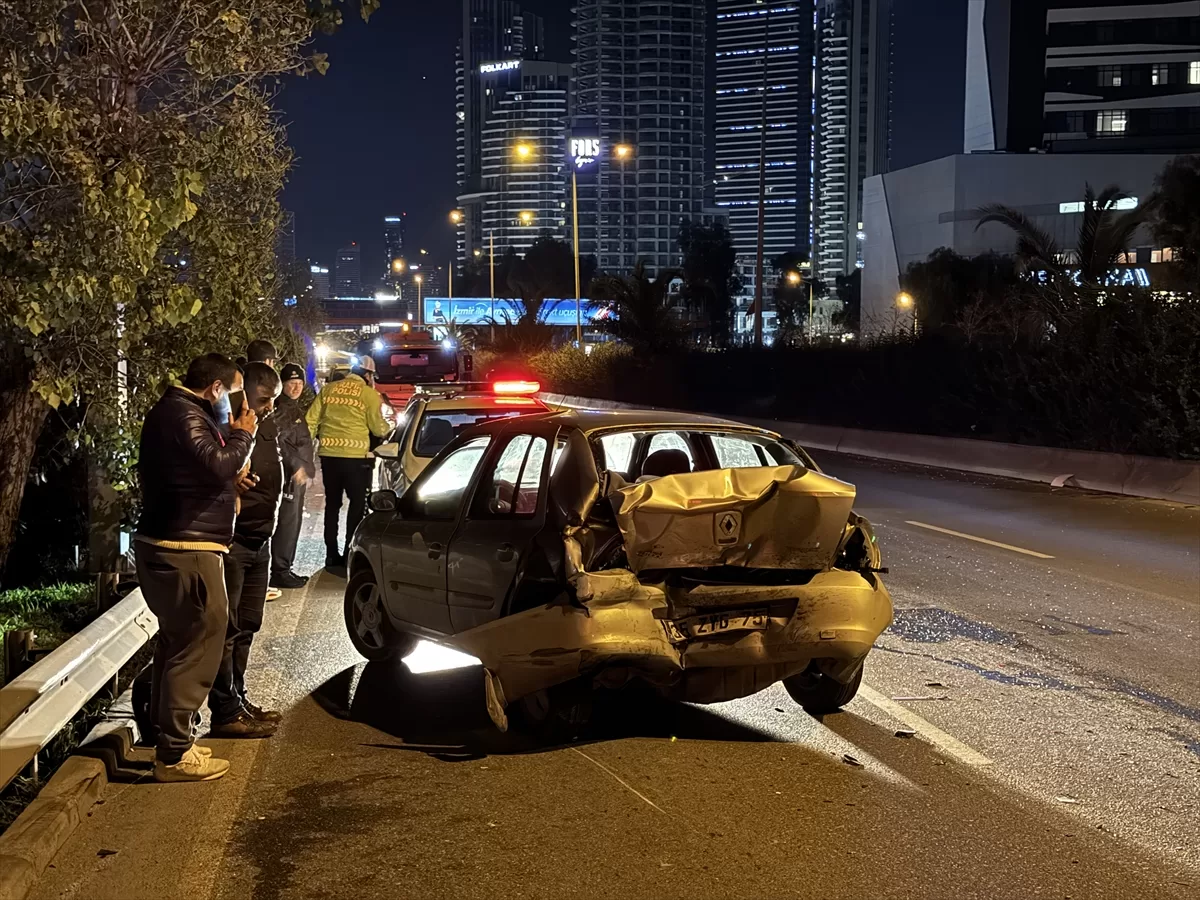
439	413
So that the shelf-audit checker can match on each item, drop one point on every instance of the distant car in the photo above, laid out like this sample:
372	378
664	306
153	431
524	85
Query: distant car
437	414
571	550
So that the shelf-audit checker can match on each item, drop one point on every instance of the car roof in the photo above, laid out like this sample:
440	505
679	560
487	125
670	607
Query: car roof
481	401
592	421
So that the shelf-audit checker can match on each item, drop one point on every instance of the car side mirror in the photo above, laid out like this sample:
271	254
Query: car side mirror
388	451
383	501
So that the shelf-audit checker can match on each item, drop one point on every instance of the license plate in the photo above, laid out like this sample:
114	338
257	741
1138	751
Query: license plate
718	623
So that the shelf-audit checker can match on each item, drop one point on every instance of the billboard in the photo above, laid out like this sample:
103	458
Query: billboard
583	154
480	311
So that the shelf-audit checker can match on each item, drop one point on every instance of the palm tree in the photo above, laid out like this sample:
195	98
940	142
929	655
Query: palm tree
1104	235
645	318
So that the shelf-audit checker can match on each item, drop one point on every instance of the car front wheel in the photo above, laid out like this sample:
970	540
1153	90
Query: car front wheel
367	622
818	693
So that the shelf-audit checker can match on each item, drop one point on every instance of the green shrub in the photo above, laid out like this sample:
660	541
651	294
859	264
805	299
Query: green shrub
54	613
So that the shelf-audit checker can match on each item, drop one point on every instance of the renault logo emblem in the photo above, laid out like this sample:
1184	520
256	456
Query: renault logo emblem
728	527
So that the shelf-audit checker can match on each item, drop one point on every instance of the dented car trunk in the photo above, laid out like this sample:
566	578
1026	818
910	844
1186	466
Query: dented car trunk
730	580
787	517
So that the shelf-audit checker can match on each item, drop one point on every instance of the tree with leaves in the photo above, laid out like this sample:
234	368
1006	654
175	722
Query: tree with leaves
1104	235
644	316
141	161
710	279
1177	217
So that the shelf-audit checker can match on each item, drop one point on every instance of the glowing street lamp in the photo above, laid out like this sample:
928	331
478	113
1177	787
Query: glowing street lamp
905	300
623	151
793	278
456	216
398	266
524	151
525	217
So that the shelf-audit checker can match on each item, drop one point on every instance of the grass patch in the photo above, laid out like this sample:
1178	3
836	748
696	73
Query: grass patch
54	613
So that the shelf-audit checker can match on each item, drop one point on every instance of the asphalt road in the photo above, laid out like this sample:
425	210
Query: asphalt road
1053	682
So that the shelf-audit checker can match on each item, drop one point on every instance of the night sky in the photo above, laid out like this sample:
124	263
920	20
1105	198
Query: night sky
375	136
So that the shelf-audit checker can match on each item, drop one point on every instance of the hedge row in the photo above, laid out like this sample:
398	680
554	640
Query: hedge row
1124	380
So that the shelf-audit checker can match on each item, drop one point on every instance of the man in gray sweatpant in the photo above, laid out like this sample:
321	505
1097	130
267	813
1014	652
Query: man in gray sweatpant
188	473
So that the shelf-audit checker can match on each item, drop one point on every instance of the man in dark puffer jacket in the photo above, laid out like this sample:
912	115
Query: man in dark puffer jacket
187	474
248	566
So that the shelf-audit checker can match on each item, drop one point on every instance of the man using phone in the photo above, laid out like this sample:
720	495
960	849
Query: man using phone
187	476
248	567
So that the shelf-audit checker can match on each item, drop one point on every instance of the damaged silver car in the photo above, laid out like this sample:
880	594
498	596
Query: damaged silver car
576	550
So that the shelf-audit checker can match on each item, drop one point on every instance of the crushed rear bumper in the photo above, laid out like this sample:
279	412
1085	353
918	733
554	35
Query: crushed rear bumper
622	629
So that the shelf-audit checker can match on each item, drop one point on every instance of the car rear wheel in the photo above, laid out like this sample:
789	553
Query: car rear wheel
818	693
367	622
555	714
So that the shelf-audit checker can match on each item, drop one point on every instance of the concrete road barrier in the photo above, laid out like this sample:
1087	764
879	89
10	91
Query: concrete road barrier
1114	473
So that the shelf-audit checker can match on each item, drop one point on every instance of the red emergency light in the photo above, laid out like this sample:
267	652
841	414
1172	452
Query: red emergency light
517	388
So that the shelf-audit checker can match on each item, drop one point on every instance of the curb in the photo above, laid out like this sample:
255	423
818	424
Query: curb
1177	481
45	825
32	841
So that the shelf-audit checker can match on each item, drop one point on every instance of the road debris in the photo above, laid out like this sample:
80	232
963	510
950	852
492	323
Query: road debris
917	699
934	684
851	760
1063	798
905	733
103	853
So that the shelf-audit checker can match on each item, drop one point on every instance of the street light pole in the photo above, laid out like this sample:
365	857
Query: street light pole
575	218
760	273
492	266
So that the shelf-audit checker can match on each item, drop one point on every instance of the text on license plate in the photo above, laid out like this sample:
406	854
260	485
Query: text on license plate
701	626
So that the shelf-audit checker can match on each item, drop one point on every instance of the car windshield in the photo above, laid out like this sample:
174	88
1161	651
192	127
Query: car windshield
414	365
650	453
437	429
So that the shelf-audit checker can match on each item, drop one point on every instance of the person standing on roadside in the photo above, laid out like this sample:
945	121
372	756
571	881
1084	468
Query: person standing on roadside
296	445
187	472
263	352
343	418
248	567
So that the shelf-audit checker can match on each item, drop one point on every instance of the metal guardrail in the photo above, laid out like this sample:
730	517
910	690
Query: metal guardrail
37	704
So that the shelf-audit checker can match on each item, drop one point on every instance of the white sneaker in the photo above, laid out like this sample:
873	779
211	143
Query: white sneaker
193	767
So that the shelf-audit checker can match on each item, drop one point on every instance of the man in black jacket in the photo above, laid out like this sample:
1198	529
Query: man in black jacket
248	567
187	474
296	446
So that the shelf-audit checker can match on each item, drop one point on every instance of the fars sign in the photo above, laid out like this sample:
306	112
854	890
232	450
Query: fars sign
584	153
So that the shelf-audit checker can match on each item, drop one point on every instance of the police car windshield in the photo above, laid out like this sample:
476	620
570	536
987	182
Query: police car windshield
437	429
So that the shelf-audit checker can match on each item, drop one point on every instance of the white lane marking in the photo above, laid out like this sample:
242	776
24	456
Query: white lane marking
925	728
621	781
979	540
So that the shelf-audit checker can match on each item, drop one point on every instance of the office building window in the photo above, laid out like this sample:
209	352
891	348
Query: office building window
1076	122
1111	121
1110	76
1129	258
1194	72
1162	256
1160	73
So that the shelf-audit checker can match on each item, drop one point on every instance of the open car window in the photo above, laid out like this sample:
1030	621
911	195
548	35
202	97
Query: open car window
439	428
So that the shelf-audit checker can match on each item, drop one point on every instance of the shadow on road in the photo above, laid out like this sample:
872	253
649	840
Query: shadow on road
443	713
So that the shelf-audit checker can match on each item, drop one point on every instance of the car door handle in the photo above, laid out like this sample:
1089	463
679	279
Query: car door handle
435	550
505	553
